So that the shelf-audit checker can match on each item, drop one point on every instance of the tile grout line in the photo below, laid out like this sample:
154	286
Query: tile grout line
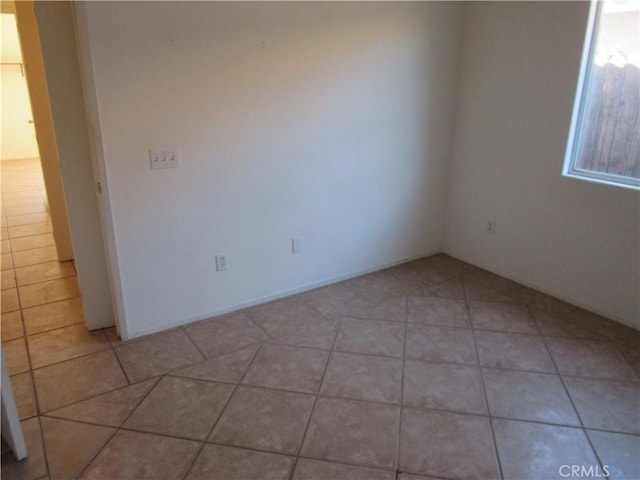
224	408
573	405
404	359
316	398
484	388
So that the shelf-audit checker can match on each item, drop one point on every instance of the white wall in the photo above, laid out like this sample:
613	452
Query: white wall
576	240
328	121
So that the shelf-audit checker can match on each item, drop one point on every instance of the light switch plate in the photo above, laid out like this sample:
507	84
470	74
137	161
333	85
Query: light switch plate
164	158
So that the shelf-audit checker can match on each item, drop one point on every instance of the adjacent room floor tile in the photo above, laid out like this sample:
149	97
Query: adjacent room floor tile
50	291
23	394
363	377
513	350
225	368
353	432
374	337
181	407
619	452
9	301
43	272
438	311
265	420
82	378
440	344
531	451
443	386
606	405
33	241
34	256
110	409
225	463
70	446
64	343
53	315
225	334
28	230
589	358
157	354
6	261
287	368
8	279
11	325
317	470
447	444
528	396
35	465
15	354
142	455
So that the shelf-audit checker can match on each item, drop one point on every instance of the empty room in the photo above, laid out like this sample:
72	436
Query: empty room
322	240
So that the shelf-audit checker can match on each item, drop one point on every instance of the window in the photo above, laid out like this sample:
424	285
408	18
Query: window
604	141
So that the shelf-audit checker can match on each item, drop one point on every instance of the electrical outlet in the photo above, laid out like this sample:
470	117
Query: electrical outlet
491	226
221	262
164	158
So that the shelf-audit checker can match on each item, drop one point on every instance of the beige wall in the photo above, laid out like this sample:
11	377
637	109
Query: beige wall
576	240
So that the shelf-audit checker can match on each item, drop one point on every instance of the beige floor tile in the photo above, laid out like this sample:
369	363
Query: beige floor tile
181	407
353	432
4	233
632	354
225	463
363	377
35	256
562	446
447	444
9	300
142	455
528	396
440	344
32	467
485	286
24	395
27	219
64	344
503	317
448	312
82	378
371	336
383	285
110	409
314	470
157	354
451	288
11	325
264	420
590	358
619	452
49	291
314	335
25	209
443	386
15	354
7	261
284	317
43	272
225	334
513	350
353	304
8	279
31	229
227	368
70	446
53	315
32	241
562	327
606	405
287	368
409	476
543	302
612	331
5	246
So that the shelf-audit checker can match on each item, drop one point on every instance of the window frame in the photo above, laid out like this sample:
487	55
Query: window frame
577	119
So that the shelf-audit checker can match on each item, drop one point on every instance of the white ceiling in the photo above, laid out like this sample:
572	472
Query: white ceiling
9	43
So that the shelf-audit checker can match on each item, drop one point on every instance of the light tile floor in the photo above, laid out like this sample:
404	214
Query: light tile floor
432	369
